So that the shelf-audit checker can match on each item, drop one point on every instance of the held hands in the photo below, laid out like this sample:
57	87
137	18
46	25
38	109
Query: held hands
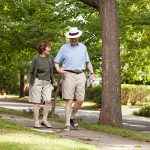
61	70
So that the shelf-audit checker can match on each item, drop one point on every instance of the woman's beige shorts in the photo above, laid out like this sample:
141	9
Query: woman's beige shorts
73	86
41	91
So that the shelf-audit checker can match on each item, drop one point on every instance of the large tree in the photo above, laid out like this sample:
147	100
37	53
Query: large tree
111	105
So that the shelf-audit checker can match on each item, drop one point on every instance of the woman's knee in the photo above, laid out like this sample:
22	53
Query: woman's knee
48	103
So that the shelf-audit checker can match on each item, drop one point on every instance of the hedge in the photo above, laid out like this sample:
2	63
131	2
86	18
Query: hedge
130	94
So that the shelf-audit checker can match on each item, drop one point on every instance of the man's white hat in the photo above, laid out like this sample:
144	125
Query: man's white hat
74	32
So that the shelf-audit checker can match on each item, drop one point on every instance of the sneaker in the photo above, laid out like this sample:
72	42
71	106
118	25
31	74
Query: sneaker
74	123
67	128
46	124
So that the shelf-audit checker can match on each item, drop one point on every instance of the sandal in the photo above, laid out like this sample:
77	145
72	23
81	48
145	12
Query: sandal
46	124
37	124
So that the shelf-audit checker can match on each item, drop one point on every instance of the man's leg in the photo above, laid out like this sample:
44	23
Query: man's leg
79	96
68	111
68	90
76	106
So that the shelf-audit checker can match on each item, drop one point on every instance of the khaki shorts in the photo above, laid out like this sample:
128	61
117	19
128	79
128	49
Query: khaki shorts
41	91
73	86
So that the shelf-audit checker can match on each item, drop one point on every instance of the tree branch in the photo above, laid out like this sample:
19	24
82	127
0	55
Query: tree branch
92	3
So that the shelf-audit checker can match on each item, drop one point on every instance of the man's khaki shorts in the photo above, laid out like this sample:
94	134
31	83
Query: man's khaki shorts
73	86
41	91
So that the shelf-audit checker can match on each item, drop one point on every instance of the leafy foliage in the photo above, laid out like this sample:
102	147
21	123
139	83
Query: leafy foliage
135	50
24	23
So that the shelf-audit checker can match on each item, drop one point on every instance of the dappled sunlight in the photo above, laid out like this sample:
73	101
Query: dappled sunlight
8	96
85	104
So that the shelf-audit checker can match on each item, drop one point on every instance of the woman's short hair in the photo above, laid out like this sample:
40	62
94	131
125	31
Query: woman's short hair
41	47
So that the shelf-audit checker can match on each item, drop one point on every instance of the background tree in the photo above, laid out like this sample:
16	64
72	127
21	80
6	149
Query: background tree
134	33
26	22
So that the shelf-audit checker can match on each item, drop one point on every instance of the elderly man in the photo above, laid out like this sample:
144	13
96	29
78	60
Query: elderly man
71	62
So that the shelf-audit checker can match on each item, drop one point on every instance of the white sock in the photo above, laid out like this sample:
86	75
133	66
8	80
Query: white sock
68	112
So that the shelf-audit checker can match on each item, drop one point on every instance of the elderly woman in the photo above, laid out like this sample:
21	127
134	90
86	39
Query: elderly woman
41	80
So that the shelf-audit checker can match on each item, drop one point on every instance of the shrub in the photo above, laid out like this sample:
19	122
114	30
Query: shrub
94	94
135	94
144	111
130	94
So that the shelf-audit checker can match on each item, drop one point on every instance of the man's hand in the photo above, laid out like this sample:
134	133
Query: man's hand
93	77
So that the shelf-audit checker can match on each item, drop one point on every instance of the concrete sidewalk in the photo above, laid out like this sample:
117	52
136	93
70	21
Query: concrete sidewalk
129	121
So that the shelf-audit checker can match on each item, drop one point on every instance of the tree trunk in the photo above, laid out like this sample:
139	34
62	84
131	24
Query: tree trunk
92	3
111	86
111	89
21	92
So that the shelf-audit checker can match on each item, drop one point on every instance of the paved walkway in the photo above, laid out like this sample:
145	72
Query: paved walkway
129	121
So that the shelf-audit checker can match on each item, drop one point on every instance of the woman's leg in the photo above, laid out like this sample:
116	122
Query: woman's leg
36	109
35	98
46	109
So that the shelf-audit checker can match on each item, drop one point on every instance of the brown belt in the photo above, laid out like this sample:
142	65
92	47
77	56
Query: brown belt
75	71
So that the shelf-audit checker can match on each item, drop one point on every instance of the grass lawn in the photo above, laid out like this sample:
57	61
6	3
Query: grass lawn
16	137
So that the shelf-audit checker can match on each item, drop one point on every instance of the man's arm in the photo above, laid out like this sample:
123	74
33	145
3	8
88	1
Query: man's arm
88	63
59	69
90	67
91	72
58	59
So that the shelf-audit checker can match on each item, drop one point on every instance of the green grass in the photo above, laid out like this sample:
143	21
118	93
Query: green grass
16	137
15	112
128	133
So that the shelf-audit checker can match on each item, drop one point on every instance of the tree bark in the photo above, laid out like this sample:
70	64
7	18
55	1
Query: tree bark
111	86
